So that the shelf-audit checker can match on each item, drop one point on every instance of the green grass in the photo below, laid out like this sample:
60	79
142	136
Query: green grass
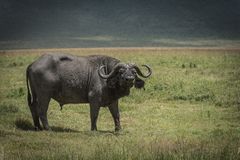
190	109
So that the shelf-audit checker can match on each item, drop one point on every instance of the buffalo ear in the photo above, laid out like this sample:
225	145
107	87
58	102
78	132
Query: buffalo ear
139	83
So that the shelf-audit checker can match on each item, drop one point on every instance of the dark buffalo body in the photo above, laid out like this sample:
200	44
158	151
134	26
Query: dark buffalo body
97	80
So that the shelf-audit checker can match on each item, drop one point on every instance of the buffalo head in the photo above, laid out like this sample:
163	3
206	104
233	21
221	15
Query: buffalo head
124	75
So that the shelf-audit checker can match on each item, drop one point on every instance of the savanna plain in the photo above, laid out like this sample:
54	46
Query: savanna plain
190	109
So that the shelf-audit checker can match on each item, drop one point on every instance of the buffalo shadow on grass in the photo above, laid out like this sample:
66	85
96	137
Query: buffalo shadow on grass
26	125
62	129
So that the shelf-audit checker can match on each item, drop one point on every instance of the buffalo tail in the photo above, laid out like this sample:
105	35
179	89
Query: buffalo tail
28	90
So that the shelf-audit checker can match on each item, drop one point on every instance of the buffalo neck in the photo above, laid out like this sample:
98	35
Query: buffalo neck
118	92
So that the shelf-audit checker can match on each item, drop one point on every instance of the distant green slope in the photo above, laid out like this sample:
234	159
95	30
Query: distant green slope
127	23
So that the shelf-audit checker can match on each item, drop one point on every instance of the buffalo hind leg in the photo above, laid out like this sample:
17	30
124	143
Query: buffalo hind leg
94	110
42	111
35	116
115	114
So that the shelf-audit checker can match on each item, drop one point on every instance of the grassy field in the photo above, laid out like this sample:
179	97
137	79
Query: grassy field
189	110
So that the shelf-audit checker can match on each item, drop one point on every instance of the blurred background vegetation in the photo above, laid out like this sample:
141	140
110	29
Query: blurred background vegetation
114	23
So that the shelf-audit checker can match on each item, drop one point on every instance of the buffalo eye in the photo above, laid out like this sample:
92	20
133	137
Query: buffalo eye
134	72
121	70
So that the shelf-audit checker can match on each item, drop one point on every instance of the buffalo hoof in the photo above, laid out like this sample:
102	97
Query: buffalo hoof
94	129
38	128
47	129
117	129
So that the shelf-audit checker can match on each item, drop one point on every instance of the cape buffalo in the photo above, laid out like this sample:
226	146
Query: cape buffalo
97	80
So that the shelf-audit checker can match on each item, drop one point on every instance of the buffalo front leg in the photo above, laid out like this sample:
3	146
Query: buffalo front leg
115	114
94	110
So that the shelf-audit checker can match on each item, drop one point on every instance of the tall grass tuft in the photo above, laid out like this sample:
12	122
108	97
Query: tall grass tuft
8	108
16	93
24	124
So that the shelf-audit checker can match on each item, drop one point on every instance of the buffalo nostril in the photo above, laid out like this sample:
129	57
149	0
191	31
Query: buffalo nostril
129	78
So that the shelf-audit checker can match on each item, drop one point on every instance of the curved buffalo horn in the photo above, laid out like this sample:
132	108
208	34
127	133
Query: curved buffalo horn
141	74
112	73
